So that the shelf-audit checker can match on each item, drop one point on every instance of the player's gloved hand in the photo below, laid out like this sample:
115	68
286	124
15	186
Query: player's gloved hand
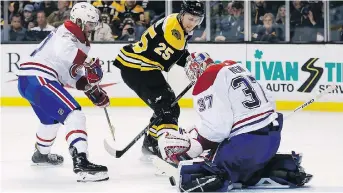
94	71
173	146
98	96
196	64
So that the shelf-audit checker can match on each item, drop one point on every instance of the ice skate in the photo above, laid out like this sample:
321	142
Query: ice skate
87	171
46	159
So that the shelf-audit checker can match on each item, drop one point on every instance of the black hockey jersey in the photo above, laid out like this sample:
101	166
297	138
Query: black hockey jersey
161	46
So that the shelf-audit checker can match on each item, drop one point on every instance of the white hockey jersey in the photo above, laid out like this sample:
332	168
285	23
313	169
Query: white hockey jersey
60	56
230	102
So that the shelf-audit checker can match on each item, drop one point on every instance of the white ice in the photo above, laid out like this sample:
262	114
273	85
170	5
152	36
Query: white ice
319	136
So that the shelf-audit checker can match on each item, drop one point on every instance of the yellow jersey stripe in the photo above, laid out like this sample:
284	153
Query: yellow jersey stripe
141	58
164	126
131	65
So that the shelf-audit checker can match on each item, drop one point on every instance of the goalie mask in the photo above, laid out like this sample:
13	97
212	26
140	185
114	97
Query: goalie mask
196	64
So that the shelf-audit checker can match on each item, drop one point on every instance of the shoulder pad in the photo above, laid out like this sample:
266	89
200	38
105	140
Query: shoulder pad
173	32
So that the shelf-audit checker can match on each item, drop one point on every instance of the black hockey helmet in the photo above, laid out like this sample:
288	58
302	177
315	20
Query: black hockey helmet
196	8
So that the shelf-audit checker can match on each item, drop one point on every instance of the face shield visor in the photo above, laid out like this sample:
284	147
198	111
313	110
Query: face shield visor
193	19
90	26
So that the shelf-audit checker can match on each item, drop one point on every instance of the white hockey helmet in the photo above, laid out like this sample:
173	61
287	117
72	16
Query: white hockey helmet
85	13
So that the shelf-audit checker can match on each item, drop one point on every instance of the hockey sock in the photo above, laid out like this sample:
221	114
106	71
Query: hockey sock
76	134
45	136
157	130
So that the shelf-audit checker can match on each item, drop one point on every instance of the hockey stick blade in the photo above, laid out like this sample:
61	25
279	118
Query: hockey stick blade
109	149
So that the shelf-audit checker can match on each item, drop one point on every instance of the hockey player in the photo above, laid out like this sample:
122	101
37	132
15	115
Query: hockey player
239	122
161	46
61	59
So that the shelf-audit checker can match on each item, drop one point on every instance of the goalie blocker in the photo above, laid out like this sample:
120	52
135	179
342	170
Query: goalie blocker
282	170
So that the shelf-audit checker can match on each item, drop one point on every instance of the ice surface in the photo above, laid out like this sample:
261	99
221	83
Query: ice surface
319	136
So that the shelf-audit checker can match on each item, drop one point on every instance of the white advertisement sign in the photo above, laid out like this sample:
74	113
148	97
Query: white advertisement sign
289	72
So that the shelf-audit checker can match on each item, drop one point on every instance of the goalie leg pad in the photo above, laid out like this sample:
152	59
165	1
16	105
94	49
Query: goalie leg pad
287	168
202	177
284	169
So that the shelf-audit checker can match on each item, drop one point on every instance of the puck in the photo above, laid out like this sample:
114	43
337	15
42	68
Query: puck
172	181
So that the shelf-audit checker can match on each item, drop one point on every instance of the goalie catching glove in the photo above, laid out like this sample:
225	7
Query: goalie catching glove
177	146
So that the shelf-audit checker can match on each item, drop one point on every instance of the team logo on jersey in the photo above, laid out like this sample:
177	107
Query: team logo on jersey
176	34
60	111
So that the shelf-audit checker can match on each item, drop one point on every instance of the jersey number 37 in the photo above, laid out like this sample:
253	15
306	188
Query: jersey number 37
247	84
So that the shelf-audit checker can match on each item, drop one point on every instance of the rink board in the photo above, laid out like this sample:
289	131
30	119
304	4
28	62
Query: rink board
292	73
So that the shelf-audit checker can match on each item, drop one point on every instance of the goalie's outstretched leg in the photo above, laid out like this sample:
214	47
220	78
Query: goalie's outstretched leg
283	169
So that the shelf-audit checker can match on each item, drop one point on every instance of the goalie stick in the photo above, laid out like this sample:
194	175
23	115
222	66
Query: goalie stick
173	174
119	153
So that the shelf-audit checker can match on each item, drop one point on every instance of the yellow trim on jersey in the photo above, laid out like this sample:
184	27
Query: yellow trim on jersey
131	65
117	6
120	7
155	131
141	58
138	9
97	3
163	126
173	32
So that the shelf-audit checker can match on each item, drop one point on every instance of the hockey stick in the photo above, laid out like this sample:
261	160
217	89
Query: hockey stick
312	100
172	172
112	129
119	153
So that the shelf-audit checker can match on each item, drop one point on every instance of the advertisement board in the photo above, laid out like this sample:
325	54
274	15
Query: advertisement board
291	73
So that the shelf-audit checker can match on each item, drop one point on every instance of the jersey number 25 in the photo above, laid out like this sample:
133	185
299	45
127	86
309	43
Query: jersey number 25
163	50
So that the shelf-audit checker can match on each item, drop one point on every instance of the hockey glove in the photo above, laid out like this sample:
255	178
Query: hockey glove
173	147
98	96
94	72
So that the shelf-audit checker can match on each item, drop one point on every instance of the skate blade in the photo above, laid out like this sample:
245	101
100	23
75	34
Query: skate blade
88	177
46	164
146	156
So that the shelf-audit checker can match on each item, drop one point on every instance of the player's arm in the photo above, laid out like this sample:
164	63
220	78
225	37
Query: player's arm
183	59
85	72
